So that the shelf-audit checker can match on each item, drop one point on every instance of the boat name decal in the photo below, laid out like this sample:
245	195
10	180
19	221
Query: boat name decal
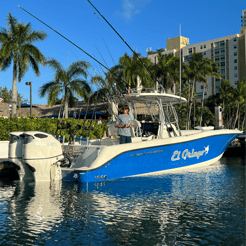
147	153
187	154
45	143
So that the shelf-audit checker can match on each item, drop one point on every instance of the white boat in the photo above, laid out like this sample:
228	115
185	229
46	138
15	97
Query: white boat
36	155
4	150
157	146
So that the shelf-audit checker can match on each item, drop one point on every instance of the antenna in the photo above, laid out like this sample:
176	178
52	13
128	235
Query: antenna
180	62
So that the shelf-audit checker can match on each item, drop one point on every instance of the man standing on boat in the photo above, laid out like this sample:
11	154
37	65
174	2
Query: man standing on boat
124	124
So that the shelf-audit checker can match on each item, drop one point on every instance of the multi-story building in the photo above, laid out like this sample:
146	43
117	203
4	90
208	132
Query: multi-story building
229	53
243	18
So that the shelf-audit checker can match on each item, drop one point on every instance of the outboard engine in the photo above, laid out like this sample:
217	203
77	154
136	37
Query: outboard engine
42	153
15	155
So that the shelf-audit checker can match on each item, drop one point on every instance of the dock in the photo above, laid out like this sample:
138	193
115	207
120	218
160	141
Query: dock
238	148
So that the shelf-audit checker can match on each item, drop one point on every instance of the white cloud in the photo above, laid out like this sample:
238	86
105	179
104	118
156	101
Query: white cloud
132	7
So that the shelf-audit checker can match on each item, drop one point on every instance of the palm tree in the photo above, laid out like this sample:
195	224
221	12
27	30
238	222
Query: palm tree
239	98
167	70
66	82
130	68
196	64
17	48
226	94
209	68
225	90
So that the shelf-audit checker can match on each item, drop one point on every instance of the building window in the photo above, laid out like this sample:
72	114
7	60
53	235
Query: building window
235	39
222	71
222	64
222	57
235	75
217	44
201	86
217	58
204	46
222	50
217	51
235	46
190	50
204	53
201	47
235	53
217	79
223	77
222	42
218	64
187	58
235	82
235	68
235	60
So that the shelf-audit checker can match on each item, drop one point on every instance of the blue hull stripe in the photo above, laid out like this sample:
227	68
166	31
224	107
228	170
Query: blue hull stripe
154	159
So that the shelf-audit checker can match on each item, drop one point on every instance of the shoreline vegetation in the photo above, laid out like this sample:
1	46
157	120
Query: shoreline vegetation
61	127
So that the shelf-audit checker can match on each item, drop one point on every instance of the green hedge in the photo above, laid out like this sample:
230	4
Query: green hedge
52	126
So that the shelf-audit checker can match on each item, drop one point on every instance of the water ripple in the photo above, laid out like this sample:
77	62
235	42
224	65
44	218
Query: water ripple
199	207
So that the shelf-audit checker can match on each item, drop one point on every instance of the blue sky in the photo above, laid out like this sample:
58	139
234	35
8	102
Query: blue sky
142	23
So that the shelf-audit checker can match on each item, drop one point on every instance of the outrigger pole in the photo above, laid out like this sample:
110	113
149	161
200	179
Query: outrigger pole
152	75
74	45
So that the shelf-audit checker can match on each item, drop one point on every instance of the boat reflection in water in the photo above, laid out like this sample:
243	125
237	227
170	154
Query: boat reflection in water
199	206
187	207
31	209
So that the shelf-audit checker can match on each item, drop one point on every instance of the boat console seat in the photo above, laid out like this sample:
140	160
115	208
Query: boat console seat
136	128
169	131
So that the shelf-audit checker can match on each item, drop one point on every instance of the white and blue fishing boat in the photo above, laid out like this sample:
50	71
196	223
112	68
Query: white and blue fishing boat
157	145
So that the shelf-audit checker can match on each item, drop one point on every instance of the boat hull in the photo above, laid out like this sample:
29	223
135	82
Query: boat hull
147	160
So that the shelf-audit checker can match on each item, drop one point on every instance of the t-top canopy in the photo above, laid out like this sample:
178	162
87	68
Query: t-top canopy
151	97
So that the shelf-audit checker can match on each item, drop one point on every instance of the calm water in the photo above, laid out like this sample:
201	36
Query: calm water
202	207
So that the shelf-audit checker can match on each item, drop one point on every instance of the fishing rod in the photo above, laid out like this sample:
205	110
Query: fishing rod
73	44
153	77
101	56
108	90
109	52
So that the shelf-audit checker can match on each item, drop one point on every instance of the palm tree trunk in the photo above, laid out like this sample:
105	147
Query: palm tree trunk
14	90
223	109
229	127
202	105
238	125
193	86
243	123
234	125
188	102
227	120
66	108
